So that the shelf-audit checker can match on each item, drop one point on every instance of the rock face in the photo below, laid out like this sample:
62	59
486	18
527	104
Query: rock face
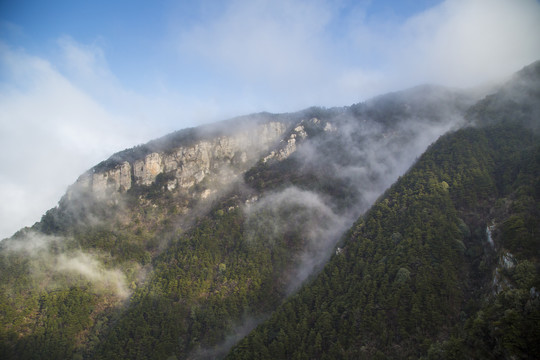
297	135
117	179
146	170
186	166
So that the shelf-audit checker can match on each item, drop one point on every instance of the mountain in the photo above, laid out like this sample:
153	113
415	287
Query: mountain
287	227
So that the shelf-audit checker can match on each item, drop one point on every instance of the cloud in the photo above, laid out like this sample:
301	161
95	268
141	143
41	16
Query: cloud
466	42
263	38
335	52
51	264
301	215
51	132
58	120
85	62
263	43
90	268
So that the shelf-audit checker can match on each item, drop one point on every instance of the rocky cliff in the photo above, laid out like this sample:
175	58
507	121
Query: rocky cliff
219	157
289	143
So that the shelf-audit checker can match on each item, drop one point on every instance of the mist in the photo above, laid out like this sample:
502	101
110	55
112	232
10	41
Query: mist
355	161
354	154
74	91
55	262
240	329
301	217
369	145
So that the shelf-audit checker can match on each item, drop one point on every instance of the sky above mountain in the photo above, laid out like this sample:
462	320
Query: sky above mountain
81	80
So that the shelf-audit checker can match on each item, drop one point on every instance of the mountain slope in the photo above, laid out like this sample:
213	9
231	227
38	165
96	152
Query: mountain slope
419	275
165	249
178	242
409	274
272	249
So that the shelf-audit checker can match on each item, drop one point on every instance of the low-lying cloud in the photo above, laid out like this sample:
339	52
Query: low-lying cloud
52	264
90	268
365	151
300	214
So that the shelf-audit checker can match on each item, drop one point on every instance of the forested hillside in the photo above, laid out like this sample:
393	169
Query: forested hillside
417	275
444	266
179	248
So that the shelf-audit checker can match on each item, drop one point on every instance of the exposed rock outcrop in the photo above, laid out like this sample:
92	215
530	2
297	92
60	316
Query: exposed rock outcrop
298	134
186	166
146	170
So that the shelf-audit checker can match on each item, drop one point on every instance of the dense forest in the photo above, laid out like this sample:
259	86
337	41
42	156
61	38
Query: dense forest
360	242
417	276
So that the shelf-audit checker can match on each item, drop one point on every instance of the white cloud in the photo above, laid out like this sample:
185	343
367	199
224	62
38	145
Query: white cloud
86	67
262	38
85	62
58	120
334	53
271	47
51	132
45	263
90	268
464	43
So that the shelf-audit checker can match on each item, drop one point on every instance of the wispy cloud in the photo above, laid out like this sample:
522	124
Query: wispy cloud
51	264
331	53
263	39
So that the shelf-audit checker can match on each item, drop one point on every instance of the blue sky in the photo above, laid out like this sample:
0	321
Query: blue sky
80	80
140	35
